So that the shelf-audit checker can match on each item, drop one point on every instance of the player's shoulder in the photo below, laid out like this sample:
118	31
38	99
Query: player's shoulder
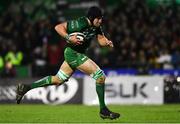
83	19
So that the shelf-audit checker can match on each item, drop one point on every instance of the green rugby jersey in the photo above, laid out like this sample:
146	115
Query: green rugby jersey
81	25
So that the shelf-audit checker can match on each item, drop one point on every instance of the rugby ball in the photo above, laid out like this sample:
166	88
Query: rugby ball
80	36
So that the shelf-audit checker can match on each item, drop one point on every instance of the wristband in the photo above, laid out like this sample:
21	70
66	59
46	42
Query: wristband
67	38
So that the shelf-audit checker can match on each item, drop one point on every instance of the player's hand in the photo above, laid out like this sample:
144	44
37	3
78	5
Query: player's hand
74	40
109	43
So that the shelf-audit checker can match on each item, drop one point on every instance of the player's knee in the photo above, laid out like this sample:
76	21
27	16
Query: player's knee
99	76
56	80
60	77
101	79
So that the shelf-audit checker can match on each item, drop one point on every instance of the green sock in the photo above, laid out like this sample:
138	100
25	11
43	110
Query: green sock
100	93
46	81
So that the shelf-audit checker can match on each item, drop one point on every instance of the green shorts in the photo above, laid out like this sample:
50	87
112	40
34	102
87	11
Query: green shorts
74	58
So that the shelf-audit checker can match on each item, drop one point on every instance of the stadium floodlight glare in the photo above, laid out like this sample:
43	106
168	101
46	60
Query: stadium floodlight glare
178	79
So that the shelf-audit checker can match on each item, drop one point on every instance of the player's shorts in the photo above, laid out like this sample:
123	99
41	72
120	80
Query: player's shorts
74	58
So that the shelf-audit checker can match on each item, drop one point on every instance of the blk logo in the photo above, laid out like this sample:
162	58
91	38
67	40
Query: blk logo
120	90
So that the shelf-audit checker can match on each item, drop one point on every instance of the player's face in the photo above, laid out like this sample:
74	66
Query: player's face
97	22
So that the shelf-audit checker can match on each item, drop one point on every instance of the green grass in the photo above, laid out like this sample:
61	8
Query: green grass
82	114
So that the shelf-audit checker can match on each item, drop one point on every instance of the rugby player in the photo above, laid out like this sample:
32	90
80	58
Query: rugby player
75	57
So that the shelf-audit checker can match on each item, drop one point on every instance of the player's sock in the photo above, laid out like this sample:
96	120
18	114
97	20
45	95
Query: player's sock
100	92
46	81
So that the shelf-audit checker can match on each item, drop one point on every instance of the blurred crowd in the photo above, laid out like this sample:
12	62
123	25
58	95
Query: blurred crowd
29	37
144	38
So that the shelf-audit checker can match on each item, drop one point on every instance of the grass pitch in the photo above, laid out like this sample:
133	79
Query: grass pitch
24	113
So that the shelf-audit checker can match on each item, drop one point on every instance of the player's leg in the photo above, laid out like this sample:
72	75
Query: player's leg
91	68
63	75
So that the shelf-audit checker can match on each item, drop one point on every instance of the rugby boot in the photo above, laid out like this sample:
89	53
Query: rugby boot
20	91
105	113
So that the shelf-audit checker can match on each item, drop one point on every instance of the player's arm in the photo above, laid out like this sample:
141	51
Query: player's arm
103	41
61	29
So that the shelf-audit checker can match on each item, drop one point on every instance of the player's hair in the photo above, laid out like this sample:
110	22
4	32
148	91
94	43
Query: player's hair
94	12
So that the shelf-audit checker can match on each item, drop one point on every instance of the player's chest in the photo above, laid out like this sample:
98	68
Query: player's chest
89	32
